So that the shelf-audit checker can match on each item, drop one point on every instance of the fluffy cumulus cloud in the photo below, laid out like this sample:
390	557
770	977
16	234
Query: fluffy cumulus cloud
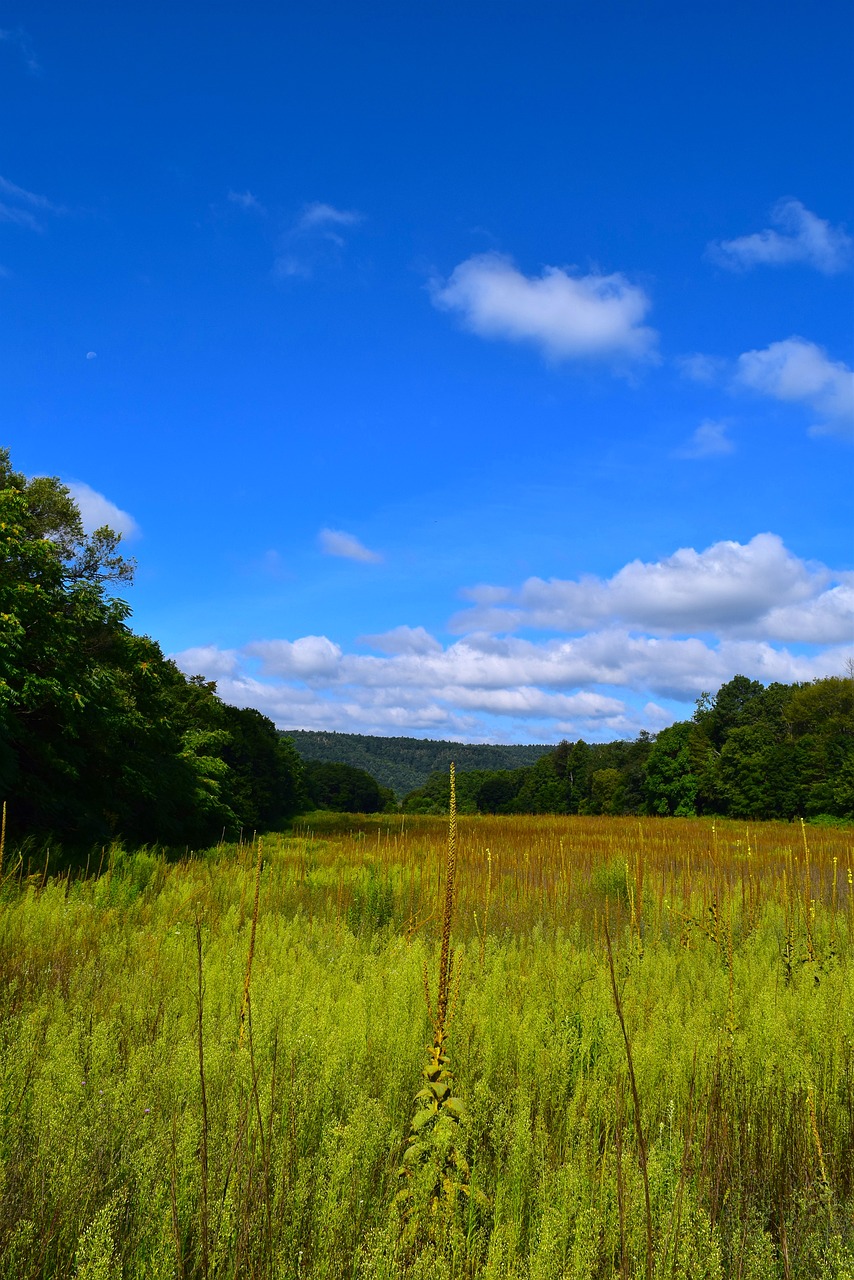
797	235
309	658
334	542
664	630
208	660
728	589
801	372
564	314
96	510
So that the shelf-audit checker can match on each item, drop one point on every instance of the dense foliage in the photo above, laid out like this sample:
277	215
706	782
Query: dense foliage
343	789
780	751
145	1137
101	736
403	764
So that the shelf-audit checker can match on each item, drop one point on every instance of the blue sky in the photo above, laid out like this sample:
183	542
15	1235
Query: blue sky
474	371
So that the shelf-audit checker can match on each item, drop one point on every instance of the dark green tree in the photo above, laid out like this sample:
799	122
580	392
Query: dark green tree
820	718
671	785
498	791
101	736
57	623
344	789
265	774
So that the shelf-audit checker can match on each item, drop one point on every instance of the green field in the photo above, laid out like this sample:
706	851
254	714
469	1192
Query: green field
159	1123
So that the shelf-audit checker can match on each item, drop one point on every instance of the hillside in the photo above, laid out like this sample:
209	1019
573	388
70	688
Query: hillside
405	763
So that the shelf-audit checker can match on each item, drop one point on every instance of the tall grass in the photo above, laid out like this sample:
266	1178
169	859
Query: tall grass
142	1136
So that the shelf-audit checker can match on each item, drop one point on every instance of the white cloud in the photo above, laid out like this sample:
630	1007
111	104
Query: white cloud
527	702
310	657
803	237
566	315
209	661
318	214
710	440
403	640
334	542
799	371
728	589
96	510
826	619
596	686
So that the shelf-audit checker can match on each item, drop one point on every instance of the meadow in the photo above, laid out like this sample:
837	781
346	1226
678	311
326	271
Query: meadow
210	1066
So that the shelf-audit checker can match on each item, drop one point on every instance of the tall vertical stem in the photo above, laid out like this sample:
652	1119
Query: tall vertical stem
446	956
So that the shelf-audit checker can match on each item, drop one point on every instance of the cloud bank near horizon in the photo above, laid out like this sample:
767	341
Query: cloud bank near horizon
653	633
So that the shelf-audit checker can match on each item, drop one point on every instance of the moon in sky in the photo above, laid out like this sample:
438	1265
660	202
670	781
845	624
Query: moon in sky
90	355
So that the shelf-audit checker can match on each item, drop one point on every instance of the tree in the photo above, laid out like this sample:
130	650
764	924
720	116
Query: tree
266	774
820	718
606	786
56	623
736	703
671	786
497	792
101	736
544	789
344	789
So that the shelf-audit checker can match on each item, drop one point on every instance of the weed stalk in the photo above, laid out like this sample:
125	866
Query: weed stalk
641	1141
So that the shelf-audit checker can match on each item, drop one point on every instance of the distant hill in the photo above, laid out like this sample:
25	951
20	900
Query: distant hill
405	763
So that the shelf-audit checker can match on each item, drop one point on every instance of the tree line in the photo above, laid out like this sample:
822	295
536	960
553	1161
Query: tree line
752	751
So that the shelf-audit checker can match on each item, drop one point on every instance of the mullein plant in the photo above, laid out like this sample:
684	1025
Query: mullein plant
435	1173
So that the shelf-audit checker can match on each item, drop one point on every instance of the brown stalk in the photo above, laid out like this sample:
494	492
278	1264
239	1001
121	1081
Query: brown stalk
621	1189
486	907
641	1141
446	955
173	1198
244	1004
203	1142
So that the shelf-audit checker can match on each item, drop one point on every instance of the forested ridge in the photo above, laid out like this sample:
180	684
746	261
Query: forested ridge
401	763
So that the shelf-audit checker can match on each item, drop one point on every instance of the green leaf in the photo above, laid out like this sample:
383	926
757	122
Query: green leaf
423	1117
